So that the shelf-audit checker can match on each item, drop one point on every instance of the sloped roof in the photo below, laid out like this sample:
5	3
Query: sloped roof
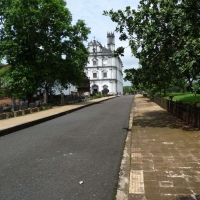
97	43
94	42
104	49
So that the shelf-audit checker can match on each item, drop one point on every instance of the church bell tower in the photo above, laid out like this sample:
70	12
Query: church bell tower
111	41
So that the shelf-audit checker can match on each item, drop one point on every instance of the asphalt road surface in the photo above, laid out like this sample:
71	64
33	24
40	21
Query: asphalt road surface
73	157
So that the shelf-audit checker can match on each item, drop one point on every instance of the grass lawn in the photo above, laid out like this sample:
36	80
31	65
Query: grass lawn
185	97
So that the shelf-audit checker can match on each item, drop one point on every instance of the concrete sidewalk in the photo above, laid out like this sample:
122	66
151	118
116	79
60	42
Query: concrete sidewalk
165	155
17	123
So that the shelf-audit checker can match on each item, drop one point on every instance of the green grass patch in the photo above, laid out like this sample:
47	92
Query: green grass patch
185	97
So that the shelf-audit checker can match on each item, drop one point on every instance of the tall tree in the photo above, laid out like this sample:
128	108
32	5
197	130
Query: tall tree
4	91
164	35
40	43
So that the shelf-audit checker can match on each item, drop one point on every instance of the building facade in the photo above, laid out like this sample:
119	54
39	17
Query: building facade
104	70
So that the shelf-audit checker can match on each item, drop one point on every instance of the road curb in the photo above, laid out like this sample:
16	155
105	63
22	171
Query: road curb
47	118
124	174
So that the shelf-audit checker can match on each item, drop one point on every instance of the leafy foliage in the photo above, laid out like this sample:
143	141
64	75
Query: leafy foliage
127	89
164	36
4	90
40	43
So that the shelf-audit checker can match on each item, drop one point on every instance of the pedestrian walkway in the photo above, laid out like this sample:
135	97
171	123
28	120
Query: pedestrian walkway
165	155
17	123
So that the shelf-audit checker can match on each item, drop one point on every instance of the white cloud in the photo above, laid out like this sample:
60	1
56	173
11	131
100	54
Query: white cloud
92	12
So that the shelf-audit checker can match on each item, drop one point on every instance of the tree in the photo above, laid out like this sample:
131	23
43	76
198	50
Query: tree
127	89
42	46
164	36
135	77
4	90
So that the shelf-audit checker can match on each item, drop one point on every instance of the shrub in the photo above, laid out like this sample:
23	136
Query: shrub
98	95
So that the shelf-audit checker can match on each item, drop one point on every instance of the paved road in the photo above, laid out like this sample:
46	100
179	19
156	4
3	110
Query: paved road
47	161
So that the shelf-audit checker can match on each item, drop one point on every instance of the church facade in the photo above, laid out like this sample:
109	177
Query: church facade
104	70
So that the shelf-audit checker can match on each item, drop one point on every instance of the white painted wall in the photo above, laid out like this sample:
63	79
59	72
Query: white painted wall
71	89
112	66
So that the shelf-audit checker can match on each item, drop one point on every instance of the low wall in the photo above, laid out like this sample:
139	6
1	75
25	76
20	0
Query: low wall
18	113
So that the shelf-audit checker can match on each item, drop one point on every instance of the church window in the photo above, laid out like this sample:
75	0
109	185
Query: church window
94	62
104	61
105	74
94	75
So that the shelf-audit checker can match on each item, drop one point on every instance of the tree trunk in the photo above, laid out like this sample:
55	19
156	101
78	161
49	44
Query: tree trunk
183	89
29	97
46	95
165	92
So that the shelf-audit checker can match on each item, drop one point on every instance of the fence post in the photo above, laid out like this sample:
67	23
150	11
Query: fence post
193	118
186	112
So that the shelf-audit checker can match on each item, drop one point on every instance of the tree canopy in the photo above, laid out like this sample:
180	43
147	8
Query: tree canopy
165	37
3	79
40	43
128	90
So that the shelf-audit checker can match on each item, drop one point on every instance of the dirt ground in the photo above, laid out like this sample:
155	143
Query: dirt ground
6	101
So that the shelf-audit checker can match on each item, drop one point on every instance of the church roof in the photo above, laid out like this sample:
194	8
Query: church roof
97	43
94	42
104	49
90	43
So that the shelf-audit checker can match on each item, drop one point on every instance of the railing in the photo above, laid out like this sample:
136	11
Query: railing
190	114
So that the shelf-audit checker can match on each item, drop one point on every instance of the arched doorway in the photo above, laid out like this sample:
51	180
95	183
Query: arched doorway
105	89
95	89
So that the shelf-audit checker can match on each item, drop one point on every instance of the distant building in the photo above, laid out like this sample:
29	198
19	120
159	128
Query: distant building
104	70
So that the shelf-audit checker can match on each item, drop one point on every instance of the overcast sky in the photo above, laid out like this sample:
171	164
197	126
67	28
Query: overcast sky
91	12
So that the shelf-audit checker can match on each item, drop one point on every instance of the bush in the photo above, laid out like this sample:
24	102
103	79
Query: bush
98	95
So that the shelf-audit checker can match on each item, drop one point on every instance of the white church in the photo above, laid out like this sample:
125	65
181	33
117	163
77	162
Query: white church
104	70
